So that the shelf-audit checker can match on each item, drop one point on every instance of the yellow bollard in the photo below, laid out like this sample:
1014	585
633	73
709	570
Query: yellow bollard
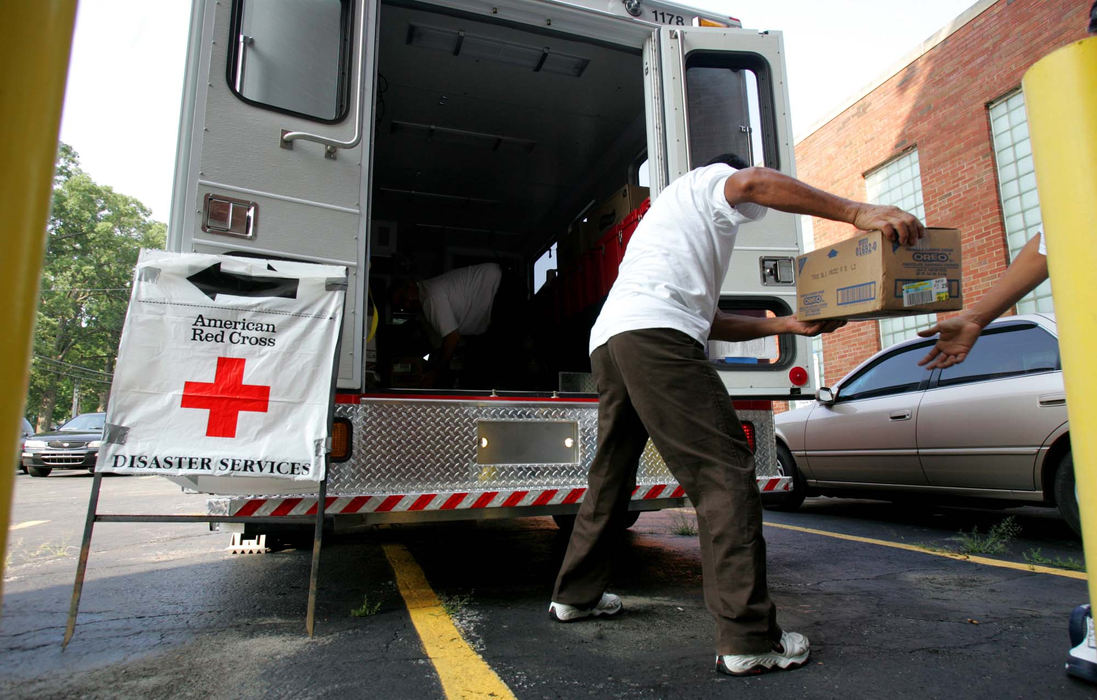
1061	97
35	39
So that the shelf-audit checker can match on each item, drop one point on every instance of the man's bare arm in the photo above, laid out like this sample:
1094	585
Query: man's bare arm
773	189
735	328
959	333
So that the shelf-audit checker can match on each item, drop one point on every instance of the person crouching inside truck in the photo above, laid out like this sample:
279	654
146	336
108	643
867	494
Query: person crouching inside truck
453	305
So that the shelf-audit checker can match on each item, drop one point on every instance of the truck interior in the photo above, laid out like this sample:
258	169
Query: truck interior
492	144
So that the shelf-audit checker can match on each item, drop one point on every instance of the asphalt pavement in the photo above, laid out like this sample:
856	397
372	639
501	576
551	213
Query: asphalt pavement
167	611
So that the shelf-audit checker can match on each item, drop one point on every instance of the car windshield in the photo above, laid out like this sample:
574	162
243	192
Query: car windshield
85	422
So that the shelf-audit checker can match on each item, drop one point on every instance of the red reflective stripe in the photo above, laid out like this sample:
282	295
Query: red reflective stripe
752	405
453	501
634	490
484	499
348	398
389	503
355	504
678	492
287	505
327	504
544	497
422	502
514	499
654	491
250	507
574	496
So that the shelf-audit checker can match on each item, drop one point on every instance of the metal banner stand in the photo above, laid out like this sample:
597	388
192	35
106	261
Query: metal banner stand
168	269
94	516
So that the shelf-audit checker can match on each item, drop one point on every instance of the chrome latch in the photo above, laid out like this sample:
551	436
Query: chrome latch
777	271
228	216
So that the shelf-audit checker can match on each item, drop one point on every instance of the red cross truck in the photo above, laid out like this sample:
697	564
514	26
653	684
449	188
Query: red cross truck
406	140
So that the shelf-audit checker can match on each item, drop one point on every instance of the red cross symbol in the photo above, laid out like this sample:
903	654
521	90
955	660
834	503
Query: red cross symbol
225	397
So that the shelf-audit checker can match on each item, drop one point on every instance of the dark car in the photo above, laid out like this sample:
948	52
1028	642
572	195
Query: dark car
75	445
991	429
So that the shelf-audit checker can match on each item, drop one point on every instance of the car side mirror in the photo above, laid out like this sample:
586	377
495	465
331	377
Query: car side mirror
825	395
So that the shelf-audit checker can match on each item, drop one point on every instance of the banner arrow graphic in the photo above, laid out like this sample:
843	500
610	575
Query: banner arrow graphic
213	281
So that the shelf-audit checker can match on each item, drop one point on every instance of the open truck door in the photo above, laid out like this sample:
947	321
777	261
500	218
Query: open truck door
717	91
274	147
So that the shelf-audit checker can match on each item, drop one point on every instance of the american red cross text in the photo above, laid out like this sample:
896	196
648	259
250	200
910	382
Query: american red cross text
225	397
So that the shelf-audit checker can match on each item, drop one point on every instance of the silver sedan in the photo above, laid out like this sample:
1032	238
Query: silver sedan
993	427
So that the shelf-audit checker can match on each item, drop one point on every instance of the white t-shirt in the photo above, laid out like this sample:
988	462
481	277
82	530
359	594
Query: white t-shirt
677	259
461	300
1043	244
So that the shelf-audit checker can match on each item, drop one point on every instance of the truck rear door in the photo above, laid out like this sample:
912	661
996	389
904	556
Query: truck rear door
723	90
277	124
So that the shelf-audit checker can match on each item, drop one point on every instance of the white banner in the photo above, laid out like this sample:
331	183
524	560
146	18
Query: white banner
225	368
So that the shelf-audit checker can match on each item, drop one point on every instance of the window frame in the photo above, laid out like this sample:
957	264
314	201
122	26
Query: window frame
767	110
346	32
941	382
913	349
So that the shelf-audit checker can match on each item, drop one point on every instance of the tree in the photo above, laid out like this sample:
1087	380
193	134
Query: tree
93	238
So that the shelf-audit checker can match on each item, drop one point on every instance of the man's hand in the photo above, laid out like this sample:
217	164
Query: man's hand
957	337
811	328
896	224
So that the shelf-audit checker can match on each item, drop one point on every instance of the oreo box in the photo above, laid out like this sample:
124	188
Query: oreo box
868	276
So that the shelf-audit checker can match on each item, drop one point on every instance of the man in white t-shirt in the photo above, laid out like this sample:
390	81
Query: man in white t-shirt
454	304
648	357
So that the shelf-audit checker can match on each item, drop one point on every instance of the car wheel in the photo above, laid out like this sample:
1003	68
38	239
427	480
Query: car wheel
1065	496
45	471
786	466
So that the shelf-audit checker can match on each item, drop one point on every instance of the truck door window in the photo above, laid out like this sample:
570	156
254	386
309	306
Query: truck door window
730	108
292	56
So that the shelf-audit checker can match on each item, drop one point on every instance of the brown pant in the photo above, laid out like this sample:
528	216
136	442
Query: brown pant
658	382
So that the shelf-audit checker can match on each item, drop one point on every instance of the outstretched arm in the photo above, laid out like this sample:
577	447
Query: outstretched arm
959	333
773	189
734	328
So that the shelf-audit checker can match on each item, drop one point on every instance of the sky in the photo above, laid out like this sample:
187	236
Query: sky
125	80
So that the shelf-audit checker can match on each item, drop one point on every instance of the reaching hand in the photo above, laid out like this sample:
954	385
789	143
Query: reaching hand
812	328
957	337
896	224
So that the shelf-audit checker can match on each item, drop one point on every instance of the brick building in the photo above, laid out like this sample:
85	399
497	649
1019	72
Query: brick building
944	136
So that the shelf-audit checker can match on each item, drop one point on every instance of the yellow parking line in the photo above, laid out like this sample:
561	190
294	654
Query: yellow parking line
460	669
1081	575
27	523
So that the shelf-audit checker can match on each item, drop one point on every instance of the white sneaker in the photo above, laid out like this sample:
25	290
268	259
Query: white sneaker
608	606
791	652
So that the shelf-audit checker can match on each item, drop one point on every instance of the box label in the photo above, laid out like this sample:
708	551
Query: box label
925	292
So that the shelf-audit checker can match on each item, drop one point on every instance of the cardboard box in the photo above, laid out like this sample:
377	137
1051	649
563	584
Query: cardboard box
868	276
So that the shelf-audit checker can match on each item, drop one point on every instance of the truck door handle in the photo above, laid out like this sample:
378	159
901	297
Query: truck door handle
901	415
333	145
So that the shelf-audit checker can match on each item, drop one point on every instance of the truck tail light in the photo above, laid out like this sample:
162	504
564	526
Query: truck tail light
748	430
798	376
341	434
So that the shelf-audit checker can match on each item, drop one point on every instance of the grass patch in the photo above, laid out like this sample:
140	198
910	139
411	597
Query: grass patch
1035	557
994	542
684	525
50	549
452	605
367	608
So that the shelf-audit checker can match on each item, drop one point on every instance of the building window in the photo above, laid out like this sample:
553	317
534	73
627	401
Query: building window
899	183
1017	187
